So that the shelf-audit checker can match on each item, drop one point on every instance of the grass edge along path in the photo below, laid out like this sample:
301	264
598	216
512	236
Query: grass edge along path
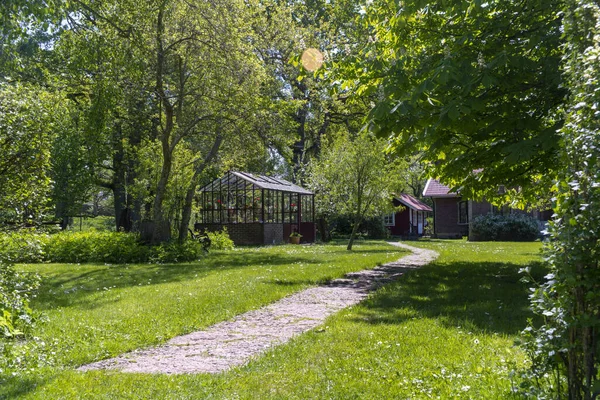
233	343
447	330
97	311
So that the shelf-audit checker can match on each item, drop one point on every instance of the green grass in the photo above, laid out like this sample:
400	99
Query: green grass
99	223
98	311
444	331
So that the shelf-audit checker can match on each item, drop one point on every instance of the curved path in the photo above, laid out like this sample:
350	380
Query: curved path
232	343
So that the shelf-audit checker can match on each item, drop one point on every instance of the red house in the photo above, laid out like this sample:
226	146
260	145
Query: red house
411	220
452	214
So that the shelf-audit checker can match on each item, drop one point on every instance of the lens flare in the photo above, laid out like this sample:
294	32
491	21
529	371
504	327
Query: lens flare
312	59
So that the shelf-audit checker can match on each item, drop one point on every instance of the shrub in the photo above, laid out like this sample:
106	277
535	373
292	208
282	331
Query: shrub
16	288
512	227
373	228
22	247
428	228
172	252
101	247
220	240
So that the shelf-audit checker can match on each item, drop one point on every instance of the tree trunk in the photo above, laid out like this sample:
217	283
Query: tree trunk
158	234
158	218
119	203
357	221
186	213
324	229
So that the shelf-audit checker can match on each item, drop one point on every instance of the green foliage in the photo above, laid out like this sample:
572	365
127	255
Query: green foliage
354	177
472	84
100	247
505	228
428	226
26	26
27	126
71	169
107	247
220	240
23	247
16	290
565	349
99	223
458	317
173	252
372	227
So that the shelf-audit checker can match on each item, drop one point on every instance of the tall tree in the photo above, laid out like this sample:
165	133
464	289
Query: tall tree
475	85
174	72
313	110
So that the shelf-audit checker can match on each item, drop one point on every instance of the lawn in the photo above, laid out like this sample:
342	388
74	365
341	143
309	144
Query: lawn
444	331
98	311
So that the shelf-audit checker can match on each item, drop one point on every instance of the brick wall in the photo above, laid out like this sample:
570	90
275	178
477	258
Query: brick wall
446	218
273	233
477	208
241	234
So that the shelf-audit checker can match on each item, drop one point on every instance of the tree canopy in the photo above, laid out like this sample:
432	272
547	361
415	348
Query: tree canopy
354	177
474	85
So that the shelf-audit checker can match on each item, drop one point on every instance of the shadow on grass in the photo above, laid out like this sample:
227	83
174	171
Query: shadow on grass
298	282
483	296
72	287
76	286
15	387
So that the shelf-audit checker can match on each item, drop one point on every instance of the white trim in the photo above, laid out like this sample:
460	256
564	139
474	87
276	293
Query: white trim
426	186
467	216
438	196
393	219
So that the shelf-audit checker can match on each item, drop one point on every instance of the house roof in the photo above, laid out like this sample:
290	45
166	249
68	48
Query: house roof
434	188
412	203
239	179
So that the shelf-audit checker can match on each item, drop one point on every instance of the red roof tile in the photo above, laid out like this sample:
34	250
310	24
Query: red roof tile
434	188
413	203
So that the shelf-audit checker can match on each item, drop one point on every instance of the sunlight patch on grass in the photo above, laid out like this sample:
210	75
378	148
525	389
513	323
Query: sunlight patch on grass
99	311
444	331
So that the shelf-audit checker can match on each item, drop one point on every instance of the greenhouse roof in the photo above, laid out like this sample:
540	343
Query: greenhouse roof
240	179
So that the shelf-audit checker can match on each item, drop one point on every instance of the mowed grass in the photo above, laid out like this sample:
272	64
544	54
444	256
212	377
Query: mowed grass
445	331
98	311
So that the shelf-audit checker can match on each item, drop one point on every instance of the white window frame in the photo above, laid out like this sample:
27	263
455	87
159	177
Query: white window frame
387	217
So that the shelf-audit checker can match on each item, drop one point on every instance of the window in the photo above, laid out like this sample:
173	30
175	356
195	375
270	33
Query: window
306	209
463	212
389	219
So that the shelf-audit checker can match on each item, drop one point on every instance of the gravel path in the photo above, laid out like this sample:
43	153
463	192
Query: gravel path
232	343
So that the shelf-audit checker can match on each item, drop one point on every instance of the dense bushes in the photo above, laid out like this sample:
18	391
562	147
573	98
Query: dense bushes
24	246
372	228
16	288
220	240
104	247
512	227
107	247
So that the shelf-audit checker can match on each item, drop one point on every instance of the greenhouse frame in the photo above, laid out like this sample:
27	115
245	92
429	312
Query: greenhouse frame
256	209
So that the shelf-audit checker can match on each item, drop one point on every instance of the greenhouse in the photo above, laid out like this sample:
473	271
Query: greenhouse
256	209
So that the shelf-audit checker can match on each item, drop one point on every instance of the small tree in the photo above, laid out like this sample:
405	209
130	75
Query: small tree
355	177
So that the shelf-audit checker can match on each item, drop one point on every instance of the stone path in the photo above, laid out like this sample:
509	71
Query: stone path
232	343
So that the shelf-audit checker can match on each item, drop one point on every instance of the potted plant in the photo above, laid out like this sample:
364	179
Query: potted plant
295	238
